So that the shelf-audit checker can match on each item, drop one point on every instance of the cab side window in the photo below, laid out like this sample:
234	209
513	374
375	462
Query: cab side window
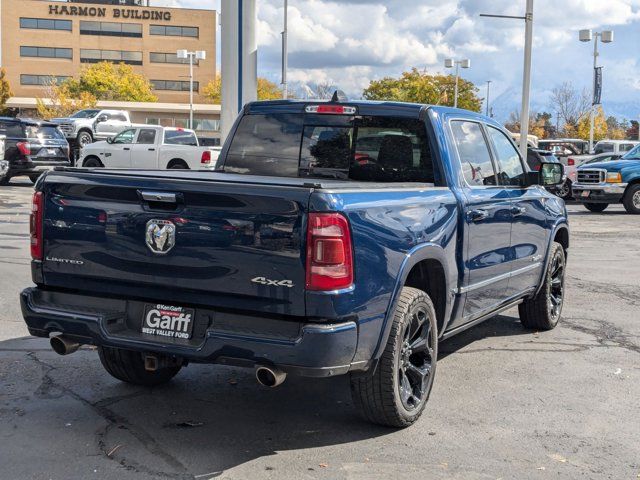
147	136
125	137
474	155
512	171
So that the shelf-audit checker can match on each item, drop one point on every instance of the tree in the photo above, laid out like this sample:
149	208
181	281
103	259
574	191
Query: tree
267	90
600	126
633	132
325	90
58	101
418	87
109	81
5	91
213	90
570	105
616	130
539	123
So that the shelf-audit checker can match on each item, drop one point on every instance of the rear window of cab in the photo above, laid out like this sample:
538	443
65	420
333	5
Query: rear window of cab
377	149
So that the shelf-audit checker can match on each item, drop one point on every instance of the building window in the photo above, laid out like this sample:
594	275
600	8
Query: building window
174	85
171	31
157	57
116	56
45	24
42	80
111	29
46	52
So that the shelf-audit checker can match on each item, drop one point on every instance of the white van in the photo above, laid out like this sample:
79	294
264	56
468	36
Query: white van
615	146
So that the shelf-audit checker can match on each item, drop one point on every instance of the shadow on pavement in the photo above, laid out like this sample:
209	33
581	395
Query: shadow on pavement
208	420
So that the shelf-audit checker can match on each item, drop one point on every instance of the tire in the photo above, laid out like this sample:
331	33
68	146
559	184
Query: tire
5	180
92	162
128	367
84	138
565	191
543	311
382	395
596	207
631	199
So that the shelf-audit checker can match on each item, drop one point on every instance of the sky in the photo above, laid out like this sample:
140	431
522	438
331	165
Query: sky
351	42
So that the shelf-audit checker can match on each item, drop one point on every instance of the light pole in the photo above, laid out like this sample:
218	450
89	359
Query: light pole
607	37
285	51
526	77
198	55
450	63
488	92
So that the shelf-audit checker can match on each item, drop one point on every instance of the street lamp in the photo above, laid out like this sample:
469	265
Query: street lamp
607	37
526	76
198	55
450	63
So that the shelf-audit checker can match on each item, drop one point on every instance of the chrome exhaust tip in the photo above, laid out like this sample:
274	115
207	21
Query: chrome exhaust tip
270	377
63	346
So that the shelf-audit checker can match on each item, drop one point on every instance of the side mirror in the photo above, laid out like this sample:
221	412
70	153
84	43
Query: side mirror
102	119
110	140
551	174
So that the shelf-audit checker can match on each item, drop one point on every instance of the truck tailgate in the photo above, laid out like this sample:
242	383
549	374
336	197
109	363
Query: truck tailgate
226	244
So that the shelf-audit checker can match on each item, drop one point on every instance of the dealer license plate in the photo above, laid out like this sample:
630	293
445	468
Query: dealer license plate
168	321
585	194
48	152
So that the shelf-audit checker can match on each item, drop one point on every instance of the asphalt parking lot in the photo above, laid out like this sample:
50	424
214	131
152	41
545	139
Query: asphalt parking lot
507	403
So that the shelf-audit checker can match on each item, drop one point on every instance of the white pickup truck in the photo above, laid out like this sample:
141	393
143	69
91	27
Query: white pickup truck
150	147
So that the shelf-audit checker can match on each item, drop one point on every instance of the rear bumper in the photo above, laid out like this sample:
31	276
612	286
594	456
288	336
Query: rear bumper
35	167
314	350
599	193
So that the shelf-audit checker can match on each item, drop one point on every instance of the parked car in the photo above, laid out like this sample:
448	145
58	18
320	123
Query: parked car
615	146
336	267
563	148
31	147
536	158
87	126
150	147
602	184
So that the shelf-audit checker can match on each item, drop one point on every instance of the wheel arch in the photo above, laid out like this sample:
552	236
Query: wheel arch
89	157
177	161
425	268
560	234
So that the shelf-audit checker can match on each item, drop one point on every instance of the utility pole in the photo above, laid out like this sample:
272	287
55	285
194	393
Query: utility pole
285	51
526	77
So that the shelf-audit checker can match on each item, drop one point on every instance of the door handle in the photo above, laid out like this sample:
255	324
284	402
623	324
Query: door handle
517	211
152	149
478	215
126	148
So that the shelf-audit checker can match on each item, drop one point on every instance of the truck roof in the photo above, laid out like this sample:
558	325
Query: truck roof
365	107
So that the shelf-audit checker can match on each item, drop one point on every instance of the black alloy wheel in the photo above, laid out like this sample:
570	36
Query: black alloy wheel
416	360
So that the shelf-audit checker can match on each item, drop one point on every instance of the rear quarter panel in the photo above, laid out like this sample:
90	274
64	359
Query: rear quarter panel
391	230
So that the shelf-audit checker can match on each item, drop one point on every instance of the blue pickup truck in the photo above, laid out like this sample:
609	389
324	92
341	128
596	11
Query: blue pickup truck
336	238
602	184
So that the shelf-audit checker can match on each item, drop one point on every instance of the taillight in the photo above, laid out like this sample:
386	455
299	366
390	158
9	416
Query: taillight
24	148
206	157
571	162
331	109
329	252
36	223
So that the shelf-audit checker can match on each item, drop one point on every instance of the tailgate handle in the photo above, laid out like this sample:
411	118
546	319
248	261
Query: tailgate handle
161	197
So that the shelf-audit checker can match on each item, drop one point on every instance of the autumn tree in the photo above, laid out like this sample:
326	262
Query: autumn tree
419	87
58	101
109	81
600	129
539	124
5	91
267	90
